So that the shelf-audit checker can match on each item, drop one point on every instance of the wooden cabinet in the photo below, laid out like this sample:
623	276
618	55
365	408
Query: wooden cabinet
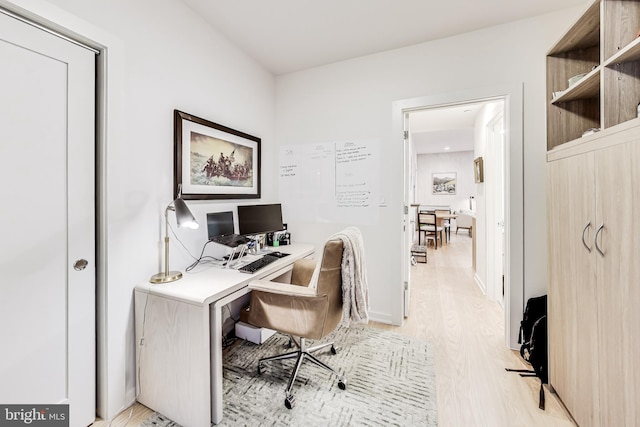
572	276
618	290
603	45
594	272
594	215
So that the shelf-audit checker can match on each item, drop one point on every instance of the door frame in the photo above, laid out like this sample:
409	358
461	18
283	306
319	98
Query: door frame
494	156
514	182
409	218
110	126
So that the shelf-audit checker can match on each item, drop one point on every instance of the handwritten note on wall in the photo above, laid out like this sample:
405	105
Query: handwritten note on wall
353	183
331	182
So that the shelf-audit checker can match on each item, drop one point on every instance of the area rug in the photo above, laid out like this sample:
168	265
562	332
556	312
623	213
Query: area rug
390	382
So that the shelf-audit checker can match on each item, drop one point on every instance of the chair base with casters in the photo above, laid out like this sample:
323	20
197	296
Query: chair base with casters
301	354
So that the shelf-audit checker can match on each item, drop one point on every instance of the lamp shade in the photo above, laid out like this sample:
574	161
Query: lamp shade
184	217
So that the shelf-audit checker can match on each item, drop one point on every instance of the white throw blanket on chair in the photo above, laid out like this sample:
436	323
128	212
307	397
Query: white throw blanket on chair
355	288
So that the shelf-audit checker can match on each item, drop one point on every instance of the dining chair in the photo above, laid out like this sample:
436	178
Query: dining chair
446	223
428	226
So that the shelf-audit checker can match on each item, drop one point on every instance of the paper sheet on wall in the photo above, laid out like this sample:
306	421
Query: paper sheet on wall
331	182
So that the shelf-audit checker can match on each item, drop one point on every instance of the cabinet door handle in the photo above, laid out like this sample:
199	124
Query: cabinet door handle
584	230
596	239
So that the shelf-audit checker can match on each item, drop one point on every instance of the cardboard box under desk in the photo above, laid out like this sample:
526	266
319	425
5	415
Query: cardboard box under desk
253	333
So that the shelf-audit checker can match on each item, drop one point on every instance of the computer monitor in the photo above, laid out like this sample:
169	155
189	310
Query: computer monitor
259	219
219	224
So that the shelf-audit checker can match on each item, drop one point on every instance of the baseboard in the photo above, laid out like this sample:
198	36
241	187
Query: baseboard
381	318
481	285
130	399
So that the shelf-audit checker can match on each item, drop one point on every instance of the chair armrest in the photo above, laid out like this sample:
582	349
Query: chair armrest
281	288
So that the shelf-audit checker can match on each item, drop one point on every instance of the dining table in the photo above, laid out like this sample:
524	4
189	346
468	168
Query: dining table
441	216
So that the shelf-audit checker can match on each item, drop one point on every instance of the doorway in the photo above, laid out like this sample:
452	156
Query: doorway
463	141
512	214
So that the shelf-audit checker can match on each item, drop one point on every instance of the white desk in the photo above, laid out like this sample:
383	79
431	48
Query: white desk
179	338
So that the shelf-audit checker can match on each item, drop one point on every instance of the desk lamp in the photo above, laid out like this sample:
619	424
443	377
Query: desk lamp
184	218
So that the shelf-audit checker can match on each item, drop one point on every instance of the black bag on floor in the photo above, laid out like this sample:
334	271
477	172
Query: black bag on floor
533	336
537	353
535	309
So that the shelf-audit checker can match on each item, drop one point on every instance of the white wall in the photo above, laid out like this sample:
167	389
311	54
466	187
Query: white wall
353	99
460	162
168	58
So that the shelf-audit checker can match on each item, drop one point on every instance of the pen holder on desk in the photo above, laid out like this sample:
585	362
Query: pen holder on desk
258	243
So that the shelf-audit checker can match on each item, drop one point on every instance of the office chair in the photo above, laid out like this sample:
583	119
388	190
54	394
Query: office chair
309	308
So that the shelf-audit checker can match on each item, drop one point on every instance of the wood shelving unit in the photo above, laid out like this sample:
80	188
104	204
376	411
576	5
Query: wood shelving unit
603	43
593	195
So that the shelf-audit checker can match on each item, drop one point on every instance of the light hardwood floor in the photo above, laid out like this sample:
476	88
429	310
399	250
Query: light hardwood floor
467	332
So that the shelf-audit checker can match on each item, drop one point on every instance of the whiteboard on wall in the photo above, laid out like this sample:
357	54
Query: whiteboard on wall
334	182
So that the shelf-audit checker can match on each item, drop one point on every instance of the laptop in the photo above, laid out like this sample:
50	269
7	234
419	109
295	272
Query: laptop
221	230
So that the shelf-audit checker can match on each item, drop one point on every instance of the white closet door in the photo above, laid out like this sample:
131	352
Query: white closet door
47	308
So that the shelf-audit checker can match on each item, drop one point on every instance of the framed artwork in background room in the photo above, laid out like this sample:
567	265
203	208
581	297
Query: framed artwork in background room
477	170
212	161
444	183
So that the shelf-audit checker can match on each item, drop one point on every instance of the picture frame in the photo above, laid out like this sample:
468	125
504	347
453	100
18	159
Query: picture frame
212	161
444	183
478	171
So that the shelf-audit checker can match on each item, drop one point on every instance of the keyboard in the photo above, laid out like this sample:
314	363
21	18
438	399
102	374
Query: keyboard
256	265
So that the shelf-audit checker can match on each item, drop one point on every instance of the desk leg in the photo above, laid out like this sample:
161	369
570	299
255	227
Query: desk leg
216	353
216	363
173	358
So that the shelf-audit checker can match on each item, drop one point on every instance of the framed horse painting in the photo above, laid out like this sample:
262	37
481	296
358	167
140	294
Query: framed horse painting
212	161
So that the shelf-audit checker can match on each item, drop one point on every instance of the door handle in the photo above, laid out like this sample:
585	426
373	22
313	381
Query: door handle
80	264
596	239
584	230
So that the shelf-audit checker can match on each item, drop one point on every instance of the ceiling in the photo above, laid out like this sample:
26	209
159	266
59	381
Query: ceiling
291	35
445	130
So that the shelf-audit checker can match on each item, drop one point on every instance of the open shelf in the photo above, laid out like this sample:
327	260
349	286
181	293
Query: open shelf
603	43
584	33
587	88
629	53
